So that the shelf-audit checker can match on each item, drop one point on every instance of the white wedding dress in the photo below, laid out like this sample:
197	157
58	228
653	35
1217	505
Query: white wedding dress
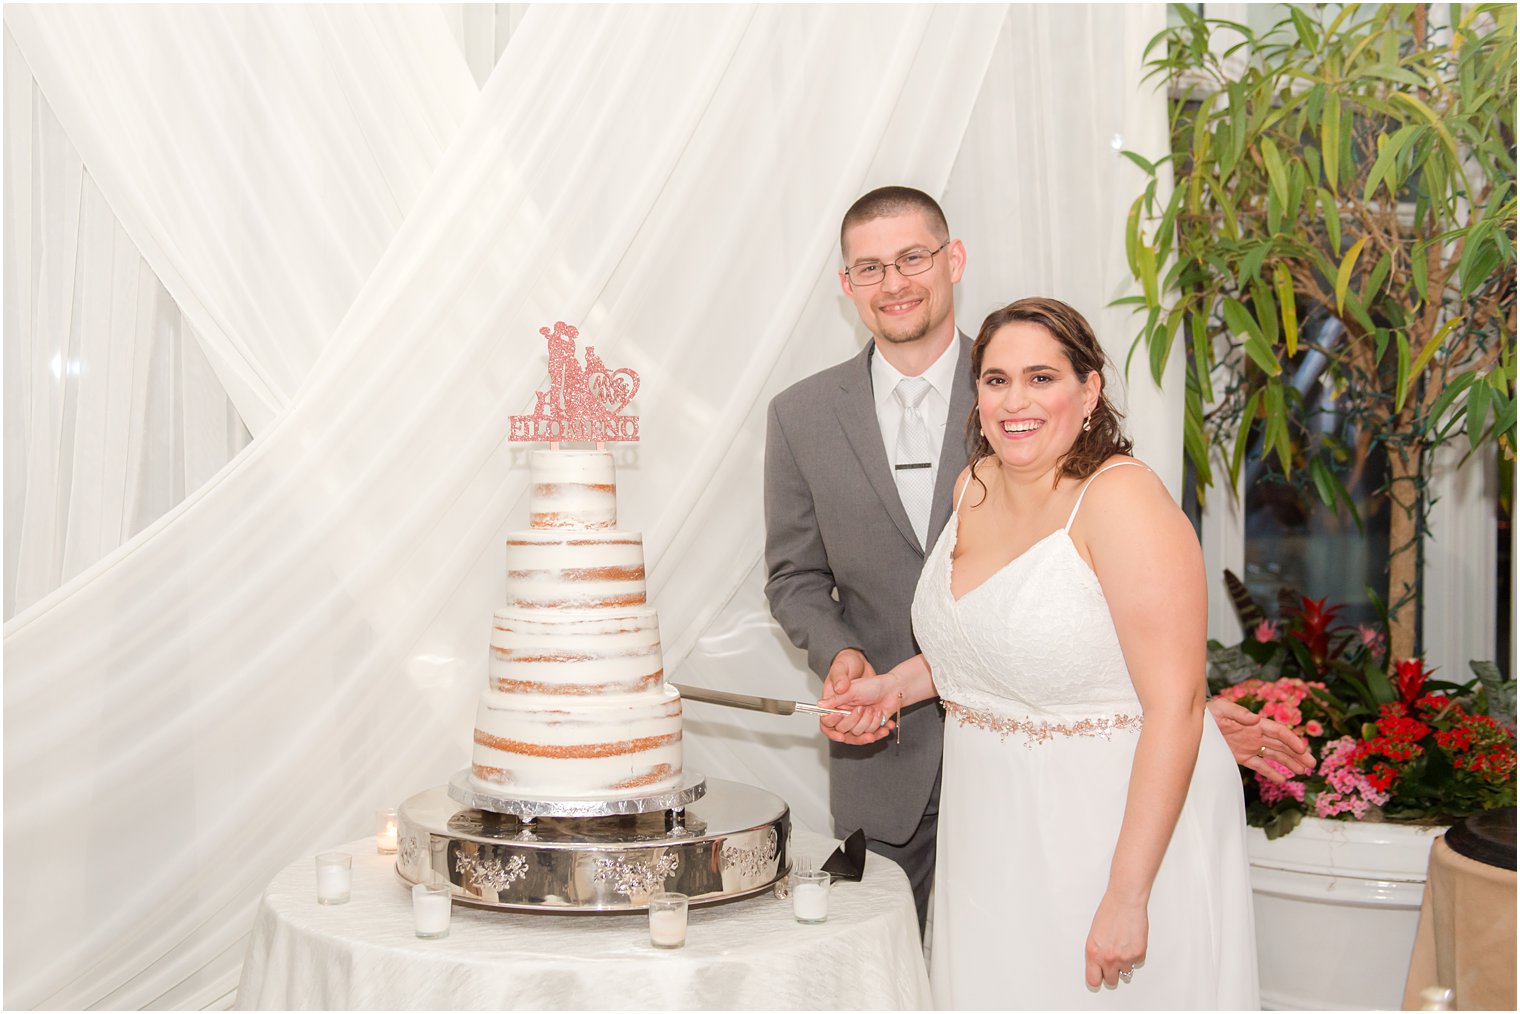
1040	735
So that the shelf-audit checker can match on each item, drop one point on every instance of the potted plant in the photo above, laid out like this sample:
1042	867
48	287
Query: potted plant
1341	227
1400	755
1393	743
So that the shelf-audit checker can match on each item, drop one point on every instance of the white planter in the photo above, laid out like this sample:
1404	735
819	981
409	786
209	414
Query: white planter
1337	904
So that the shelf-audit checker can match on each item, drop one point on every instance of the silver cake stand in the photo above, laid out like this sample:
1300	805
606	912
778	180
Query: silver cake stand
710	840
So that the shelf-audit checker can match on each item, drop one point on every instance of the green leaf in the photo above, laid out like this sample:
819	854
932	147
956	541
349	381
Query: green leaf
1202	360
1265	308
1145	164
1473	268
1161	344
1359	312
1331	213
1250	264
1147	255
1418	269
1243	438
1260	352
1276	432
1324	481
1286	302
1380	339
1451	393
1389	148
1374	283
1305	29
1276	174
1132	237
1399	75
1330	139
1237	122
1420	361
1478	398
1401	383
1239	319
1343	273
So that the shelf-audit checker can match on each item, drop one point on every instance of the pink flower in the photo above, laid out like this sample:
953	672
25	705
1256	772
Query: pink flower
1372	638
1314	728
1265	631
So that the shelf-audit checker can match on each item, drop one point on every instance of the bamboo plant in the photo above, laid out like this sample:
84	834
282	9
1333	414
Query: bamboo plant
1355	166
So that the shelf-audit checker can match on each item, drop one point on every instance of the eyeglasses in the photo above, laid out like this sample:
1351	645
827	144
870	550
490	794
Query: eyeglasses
914	262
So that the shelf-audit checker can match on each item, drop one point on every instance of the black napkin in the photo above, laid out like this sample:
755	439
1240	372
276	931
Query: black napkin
849	860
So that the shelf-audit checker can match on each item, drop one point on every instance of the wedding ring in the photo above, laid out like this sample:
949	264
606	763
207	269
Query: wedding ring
1127	974
1262	752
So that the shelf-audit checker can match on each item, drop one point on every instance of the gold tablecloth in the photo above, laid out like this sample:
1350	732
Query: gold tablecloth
1466	939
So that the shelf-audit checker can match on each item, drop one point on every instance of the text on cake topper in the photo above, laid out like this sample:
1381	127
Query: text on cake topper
582	402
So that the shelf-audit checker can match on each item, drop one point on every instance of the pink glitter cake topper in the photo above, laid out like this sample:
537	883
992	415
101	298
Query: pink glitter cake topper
582	402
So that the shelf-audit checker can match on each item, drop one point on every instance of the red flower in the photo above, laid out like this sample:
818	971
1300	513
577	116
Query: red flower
1313	626
1409	679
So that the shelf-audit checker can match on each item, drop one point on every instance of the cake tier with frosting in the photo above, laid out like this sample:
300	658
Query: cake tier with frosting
576	707
578	749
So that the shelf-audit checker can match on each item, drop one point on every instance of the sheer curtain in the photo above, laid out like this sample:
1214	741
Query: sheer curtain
303	639
112	412
261	195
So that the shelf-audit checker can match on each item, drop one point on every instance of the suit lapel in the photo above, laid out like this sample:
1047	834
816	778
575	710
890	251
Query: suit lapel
952	453
856	411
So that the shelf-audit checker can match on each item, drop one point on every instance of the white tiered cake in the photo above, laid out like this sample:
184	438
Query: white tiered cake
577	707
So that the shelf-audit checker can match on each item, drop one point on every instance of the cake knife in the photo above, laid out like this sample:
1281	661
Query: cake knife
769	705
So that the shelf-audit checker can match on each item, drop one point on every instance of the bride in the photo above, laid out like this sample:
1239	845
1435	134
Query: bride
1091	848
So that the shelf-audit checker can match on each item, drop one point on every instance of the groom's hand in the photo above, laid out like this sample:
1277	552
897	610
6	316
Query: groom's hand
848	666
1269	748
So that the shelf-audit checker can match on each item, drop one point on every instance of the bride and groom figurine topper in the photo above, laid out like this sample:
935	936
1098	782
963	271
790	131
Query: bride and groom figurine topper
583	402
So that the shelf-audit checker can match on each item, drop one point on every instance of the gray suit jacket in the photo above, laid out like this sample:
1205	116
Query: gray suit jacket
834	522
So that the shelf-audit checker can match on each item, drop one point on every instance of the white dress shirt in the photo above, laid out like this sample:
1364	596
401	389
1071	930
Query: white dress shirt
936	405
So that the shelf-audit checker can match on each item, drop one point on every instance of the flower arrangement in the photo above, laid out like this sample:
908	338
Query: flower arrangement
1393	742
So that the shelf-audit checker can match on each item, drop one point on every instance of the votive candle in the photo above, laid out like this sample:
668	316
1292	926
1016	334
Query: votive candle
334	876
385	831
810	896
667	919
432	905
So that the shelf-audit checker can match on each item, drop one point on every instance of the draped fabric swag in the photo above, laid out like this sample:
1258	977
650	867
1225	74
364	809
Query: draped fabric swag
365	249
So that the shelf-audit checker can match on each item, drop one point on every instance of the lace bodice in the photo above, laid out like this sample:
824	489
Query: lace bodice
1035	640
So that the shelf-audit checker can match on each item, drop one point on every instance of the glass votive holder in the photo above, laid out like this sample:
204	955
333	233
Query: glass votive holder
385	831
810	896
432	905
334	877
667	919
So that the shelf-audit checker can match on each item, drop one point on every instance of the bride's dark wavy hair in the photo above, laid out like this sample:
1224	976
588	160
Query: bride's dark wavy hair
1070	328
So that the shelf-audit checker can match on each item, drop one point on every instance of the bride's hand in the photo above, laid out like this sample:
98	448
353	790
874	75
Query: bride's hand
869	719
1116	942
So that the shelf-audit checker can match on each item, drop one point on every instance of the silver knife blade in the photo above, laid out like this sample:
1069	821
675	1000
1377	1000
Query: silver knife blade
769	705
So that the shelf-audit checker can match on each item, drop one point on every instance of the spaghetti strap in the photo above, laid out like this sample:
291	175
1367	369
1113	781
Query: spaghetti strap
970	474
1089	482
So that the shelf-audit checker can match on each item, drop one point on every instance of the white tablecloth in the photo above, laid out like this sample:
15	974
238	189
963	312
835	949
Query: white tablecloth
742	954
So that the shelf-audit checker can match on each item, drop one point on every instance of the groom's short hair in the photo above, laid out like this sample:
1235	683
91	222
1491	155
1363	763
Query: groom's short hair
888	201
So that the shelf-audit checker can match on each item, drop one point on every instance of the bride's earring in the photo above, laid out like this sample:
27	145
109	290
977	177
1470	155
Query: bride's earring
1087	423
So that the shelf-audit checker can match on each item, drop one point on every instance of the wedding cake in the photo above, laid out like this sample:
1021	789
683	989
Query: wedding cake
577	707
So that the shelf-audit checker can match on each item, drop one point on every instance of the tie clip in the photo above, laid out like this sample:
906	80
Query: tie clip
915	464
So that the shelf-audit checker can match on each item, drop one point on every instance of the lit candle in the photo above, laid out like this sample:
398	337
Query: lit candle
334	875
385	831
431	907
810	896
667	919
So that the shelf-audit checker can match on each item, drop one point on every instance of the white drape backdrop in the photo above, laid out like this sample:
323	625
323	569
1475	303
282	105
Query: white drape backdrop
303	638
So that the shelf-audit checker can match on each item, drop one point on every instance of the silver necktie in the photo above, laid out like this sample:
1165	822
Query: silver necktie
914	466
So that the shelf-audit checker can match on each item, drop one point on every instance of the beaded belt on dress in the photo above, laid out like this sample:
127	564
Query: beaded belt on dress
1040	731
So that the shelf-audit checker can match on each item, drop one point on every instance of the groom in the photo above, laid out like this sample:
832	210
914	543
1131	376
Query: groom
860	463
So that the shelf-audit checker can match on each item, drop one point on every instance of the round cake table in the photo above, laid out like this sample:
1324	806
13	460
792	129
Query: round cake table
744	954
